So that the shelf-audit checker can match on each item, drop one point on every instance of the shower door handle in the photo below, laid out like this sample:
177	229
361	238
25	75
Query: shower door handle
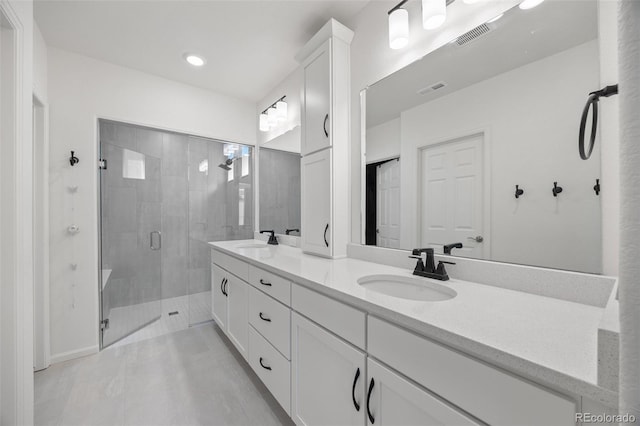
151	240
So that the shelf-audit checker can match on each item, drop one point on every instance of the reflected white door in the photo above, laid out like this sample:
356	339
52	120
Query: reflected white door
452	196
388	204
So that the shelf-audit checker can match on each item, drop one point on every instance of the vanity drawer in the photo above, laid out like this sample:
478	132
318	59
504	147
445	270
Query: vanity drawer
273	369
272	319
491	395
343	320
275	286
236	266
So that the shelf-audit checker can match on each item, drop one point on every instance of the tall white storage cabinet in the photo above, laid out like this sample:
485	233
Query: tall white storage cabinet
325	141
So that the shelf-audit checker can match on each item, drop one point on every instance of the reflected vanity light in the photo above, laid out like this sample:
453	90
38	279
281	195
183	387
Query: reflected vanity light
529	4
273	114
398	28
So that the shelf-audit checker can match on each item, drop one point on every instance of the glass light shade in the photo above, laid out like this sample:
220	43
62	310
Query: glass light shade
272	117
398	28
434	13
281	109
529	4
264	122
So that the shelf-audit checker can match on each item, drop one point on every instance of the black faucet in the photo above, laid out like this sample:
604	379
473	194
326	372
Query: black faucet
447	247
429	270
272	238
288	231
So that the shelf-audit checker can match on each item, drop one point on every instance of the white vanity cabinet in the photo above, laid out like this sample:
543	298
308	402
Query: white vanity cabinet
328	377
392	400
325	60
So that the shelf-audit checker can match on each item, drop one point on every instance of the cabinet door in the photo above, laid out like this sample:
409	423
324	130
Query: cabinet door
317	98
238	313
392	400
316	203
328	377
218	293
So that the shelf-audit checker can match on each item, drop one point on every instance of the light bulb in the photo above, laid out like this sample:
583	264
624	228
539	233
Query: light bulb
434	13
398	28
264	122
194	60
272	117
281	109
529	4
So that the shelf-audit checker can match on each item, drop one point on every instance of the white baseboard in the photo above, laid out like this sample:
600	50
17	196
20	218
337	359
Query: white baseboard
66	356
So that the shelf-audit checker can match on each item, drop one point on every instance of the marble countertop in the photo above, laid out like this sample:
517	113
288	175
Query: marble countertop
551	341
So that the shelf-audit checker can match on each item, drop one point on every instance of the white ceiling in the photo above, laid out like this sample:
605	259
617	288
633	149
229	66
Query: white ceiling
519	38
249	46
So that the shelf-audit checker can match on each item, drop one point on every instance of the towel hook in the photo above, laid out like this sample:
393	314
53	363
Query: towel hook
556	189
73	160
596	188
519	191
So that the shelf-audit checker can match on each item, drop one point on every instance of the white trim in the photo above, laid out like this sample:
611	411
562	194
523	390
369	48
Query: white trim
66	356
363	166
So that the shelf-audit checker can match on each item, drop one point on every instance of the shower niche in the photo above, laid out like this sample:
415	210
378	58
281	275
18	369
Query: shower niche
163	197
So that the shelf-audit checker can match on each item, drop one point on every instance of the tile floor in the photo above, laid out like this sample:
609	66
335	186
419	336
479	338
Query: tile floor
190	377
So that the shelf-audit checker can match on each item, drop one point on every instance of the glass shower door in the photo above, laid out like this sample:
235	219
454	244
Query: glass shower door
130	237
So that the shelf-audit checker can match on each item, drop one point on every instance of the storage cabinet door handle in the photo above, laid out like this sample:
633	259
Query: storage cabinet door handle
226	282
353	390
326	228
266	367
324	125
222	286
263	282
371	418
263	318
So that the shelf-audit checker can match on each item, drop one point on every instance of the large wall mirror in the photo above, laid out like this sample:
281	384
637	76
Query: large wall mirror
473	149
279	190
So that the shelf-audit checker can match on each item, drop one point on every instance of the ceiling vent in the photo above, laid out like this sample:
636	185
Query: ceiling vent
432	88
474	34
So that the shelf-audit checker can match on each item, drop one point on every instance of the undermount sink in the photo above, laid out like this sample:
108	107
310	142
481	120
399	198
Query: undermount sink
407	287
250	246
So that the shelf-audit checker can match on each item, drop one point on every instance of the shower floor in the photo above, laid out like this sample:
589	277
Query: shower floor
192	309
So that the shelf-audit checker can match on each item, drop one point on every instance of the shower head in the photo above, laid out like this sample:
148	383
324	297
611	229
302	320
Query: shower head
226	165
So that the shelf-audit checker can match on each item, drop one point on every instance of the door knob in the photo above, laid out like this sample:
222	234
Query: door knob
477	239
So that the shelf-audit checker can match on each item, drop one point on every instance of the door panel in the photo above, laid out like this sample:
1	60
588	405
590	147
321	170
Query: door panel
388	208
452	196
219	303
238	313
316	203
317	84
130	240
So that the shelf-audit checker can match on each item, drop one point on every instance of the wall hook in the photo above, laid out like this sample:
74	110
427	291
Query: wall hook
73	160
519	191
596	188
556	189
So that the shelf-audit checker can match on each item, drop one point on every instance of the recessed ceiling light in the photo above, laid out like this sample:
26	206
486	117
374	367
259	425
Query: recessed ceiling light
194	60
529	4
495	19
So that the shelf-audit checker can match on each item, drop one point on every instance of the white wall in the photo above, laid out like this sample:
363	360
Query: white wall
16	224
372	59
40	86
537	229
383	141
81	90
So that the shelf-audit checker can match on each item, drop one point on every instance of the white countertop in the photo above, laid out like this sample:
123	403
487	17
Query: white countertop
551	341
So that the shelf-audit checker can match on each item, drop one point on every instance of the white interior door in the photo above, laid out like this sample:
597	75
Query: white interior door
388	204
452	196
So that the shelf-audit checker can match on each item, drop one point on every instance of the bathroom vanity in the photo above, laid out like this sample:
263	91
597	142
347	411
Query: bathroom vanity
333	350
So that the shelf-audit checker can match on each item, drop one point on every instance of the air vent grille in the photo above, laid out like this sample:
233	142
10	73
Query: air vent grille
472	35
432	88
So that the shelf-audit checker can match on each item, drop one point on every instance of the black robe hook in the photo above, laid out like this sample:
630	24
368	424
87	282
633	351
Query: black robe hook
556	189
519	191
596	188
73	160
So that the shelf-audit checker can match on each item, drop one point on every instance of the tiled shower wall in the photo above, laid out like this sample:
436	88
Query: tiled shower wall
185	195
279	190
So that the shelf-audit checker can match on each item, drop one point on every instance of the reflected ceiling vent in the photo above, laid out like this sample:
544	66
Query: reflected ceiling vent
431	88
474	34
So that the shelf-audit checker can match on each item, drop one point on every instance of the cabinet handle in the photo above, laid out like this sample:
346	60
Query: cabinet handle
371	418
324	125
222	286
326	228
263	318
353	390
266	367
263	282
226	286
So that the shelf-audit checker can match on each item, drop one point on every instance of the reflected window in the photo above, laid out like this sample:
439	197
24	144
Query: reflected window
133	165
241	207
245	161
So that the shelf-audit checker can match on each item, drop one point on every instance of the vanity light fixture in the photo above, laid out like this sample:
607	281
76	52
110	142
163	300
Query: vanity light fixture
398	27
273	114
194	60
529	4
434	13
